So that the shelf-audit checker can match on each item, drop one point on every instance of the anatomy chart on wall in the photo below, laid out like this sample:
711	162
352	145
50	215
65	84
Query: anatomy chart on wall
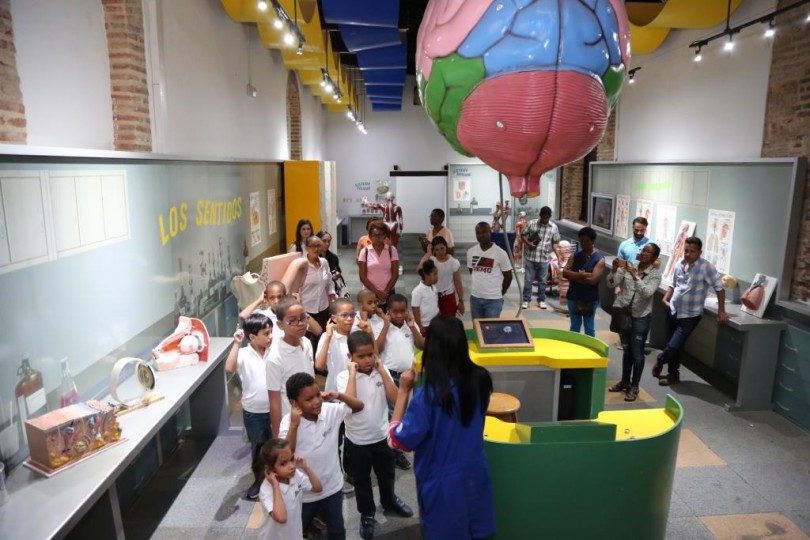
622	219
665	227
685	230
644	209
255	220
720	230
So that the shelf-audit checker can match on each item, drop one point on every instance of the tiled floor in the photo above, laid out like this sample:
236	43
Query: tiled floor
739	476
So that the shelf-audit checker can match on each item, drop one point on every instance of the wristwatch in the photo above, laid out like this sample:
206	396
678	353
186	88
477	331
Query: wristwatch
144	375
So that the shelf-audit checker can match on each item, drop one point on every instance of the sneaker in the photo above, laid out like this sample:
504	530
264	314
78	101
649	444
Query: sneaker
524	305
347	488
401	508
670	379
401	461
543	305
632	394
367	527
253	491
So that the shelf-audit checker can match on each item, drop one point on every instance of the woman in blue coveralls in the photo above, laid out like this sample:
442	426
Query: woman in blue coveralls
444	426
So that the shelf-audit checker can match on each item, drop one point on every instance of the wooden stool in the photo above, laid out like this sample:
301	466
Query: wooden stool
503	407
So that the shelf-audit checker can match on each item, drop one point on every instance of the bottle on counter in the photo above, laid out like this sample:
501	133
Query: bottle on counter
30	394
69	394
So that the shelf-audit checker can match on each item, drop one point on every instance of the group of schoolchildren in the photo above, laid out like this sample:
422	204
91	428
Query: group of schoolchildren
296	430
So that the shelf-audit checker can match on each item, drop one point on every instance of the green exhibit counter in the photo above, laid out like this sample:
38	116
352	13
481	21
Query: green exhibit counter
585	479
560	359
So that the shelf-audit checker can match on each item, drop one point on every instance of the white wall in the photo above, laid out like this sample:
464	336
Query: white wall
406	138
714	109
64	72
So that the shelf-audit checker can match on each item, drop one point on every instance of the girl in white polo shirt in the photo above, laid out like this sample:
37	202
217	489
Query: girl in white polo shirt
425	297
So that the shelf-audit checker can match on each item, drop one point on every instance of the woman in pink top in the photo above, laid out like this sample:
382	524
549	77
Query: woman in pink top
379	264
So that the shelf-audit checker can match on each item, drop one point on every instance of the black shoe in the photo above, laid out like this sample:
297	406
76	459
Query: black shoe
366	527
253	491
401	461
400	508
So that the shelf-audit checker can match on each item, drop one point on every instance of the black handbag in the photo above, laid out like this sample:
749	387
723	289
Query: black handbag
621	318
584	308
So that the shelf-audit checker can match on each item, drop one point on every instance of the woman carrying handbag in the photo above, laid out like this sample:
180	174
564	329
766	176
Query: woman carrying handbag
638	286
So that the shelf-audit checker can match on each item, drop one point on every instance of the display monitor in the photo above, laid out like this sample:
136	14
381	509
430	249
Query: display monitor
503	334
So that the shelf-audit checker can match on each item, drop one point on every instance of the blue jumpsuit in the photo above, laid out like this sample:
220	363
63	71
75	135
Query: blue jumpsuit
453	484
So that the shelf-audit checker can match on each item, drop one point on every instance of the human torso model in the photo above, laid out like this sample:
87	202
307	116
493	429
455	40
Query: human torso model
519	227
392	216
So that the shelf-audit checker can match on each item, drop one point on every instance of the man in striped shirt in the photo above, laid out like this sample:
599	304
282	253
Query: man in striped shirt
540	238
684	301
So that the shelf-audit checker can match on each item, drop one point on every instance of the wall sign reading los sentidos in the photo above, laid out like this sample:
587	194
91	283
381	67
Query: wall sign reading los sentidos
208	213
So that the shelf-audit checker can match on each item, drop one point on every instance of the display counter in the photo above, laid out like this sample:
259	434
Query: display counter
534	376
585	479
83	499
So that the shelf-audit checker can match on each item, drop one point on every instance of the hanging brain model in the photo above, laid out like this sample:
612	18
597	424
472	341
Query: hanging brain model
526	86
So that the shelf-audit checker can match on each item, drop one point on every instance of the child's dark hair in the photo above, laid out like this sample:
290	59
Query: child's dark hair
427	268
270	451
362	293
357	339
297	382
438	241
335	306
274	284
256	322
396	297
284	304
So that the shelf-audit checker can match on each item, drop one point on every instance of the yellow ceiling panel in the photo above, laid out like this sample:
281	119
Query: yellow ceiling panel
644	40
680	13
247	11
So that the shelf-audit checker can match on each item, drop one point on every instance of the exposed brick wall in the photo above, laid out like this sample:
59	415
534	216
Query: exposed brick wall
573	174
787	120
128	85
294	117
13	127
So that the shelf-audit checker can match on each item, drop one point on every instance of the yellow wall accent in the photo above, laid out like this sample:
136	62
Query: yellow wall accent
302	195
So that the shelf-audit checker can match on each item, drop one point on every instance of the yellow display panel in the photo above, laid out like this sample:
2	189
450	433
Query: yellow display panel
302	195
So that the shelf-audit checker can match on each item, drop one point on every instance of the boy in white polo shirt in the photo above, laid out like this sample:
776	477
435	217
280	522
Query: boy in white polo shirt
368	311
312	430
395	341
291	354
251	364
366	444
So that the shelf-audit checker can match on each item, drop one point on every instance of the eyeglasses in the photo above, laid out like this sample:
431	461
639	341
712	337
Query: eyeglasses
349	315
378	235
297	322
315	246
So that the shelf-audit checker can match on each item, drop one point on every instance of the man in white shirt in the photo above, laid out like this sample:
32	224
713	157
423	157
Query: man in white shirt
491	274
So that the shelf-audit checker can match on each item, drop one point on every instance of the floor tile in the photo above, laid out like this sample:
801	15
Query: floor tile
753	526
686	528
786	484
718	490
692	452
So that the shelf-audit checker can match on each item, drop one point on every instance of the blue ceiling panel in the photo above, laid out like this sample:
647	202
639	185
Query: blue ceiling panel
384	91
361	38
384	77
383	58
361	12
378	107
396	100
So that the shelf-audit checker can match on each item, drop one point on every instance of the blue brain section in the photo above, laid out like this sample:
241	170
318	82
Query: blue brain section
526	35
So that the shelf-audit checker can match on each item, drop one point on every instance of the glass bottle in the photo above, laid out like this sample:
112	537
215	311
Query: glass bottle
69	394
30	394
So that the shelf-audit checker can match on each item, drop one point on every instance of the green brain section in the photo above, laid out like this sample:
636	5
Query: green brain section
451	81
613	81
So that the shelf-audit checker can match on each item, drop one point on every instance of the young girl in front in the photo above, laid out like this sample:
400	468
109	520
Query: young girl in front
451	292
286	476
425	297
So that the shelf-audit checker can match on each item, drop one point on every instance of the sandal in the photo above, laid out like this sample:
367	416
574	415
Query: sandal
631	394
620	386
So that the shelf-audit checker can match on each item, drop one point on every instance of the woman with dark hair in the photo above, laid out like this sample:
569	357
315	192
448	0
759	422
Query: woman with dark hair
379	264
331	258
584	270
444	426
638	285
302	231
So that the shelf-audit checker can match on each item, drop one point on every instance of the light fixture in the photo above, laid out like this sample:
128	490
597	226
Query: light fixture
698	56
277	23
632	74
729	31
289	38
771	30
300	50
262	5
251	90
293	33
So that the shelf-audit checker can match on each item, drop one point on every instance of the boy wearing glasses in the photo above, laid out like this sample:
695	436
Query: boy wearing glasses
333	352
291	354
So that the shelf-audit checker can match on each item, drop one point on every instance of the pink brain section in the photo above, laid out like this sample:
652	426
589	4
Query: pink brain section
444	27
556	118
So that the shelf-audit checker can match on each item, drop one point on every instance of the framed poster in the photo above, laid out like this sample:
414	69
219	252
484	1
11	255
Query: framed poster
603	207
622	220
686	230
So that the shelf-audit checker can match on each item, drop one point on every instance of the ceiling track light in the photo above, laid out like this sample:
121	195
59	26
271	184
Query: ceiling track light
262	5
293	33
698	56
729	31
632	74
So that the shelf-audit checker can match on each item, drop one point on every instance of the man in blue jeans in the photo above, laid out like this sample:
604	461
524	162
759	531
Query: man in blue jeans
491	274
684	301
540	238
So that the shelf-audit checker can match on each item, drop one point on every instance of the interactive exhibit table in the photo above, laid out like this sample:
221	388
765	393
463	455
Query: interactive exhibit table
589	476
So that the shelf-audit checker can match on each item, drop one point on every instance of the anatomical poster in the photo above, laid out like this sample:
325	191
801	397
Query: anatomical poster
720	231
255	220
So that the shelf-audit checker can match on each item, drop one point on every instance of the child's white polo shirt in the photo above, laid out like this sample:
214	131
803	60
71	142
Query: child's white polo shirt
284	361
337	357
318	442
397	355
252	370
370	425
291	494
